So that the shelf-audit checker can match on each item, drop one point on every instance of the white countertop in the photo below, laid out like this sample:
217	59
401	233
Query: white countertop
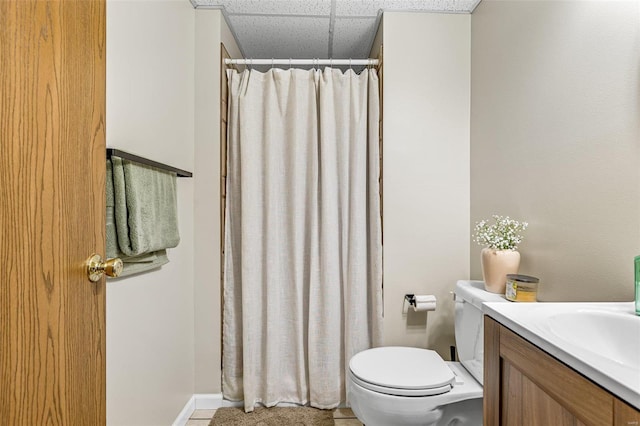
582	336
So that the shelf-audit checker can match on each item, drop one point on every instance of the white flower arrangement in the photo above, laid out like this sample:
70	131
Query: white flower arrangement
504	234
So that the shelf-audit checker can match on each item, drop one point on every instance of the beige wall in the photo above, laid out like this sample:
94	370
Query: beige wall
554	108
377	41
426	171
150	107
211	30
555	139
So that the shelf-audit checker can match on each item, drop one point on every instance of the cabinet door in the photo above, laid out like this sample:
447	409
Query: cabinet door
525	403
624	414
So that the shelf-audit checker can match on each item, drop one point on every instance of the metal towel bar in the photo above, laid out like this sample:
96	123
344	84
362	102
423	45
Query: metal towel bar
127	156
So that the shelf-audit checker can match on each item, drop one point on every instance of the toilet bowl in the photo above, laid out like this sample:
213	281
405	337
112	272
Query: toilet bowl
412	386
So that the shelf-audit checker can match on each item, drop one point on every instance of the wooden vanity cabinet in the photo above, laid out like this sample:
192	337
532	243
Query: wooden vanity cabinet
523	385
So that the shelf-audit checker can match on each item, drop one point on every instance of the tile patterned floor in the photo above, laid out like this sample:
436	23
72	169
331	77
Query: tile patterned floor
342	417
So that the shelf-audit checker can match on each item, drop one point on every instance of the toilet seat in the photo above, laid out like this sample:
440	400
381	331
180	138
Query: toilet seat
401	371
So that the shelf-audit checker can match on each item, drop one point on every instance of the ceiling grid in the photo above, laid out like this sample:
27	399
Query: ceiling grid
325	29
332	26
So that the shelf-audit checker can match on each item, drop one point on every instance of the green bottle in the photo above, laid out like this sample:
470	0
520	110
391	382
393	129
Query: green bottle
637	276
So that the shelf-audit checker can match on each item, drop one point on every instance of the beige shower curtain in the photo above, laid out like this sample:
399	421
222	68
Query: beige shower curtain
303	246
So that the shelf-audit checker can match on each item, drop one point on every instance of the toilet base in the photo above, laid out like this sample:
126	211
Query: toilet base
467	412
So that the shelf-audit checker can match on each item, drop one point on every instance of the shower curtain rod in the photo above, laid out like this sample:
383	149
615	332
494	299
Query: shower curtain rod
296	62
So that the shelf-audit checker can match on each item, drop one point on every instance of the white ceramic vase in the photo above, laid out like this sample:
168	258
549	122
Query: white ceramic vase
496	264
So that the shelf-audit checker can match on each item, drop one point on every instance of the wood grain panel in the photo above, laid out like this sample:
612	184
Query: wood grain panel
52	102
539	409
492	373
224	94
624	414
380	70
587	401
511	395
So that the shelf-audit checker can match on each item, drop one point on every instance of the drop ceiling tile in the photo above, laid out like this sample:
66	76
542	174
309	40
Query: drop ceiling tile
358	7
282	37
352	37
371	7
272	7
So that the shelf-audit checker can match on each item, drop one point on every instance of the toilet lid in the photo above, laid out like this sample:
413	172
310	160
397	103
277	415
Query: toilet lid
402	371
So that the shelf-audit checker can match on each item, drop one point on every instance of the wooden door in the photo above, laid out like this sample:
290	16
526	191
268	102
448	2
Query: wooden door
52	211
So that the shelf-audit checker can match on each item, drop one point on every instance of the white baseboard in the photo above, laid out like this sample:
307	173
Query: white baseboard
199	401
186	412
208	401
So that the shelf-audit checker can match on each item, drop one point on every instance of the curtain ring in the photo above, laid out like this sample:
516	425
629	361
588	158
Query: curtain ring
330	62
250	64
350	64
289	63
272	63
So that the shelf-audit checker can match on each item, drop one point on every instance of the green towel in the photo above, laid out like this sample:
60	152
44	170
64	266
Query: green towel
141	215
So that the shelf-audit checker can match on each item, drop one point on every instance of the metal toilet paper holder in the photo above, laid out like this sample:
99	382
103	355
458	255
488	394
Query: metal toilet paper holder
411	298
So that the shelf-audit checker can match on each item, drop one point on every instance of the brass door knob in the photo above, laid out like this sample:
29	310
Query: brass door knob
96	267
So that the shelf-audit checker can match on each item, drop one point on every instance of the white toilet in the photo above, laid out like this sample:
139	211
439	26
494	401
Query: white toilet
412	386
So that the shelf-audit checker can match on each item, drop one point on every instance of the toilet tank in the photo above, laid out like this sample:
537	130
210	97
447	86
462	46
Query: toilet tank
469	324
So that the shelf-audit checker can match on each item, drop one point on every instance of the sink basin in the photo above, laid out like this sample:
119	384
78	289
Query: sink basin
610	335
